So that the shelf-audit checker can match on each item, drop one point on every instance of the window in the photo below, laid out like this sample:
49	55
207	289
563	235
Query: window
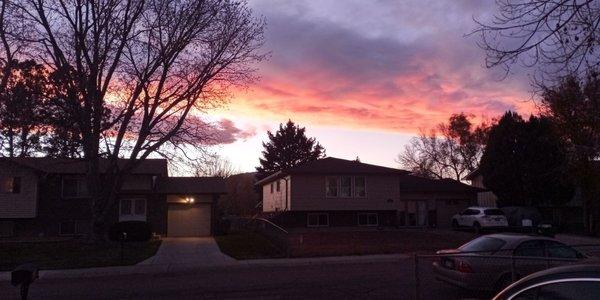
483	244
278	185
533	248
331	187
368	219
132	210
271	188
560	250
317	220
10	185
580	289
470	212
359	187
67	228
74	188
493	212
346	186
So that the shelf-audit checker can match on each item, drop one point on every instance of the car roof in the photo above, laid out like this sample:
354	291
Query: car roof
517	237
591	270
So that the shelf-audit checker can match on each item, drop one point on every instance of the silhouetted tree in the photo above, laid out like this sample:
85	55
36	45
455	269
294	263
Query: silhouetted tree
215	166
287	148
524	162
574	106
137	73
23	107
451	151
558	37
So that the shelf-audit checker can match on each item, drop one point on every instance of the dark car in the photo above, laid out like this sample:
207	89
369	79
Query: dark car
581	282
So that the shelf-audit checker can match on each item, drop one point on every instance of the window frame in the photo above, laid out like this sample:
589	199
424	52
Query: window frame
367	214
351	187
79	193
318	215
278	185
60	227
337	186
133	216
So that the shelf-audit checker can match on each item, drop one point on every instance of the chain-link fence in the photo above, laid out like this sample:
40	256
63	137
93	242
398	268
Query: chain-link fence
479	274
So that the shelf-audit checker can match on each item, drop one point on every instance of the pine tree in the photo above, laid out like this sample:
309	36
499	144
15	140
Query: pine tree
286	148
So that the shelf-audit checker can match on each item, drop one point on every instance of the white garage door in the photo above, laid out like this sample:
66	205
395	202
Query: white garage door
188	220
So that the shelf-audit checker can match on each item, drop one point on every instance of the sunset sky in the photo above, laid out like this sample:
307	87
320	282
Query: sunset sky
365	76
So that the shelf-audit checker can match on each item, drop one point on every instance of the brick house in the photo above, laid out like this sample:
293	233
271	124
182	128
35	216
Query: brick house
48	197
337	192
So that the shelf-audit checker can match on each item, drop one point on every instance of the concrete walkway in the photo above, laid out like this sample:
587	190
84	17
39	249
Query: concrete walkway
198	251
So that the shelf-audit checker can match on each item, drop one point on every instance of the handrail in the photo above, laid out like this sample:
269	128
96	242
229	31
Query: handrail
273	224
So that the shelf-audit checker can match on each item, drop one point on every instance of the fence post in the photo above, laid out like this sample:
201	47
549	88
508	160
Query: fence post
513	273
417	283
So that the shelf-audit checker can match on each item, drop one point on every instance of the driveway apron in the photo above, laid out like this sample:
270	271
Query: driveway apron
202	251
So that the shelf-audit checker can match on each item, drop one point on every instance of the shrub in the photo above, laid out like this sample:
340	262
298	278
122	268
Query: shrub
138	231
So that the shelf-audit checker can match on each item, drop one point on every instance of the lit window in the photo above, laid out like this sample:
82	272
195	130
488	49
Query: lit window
10	185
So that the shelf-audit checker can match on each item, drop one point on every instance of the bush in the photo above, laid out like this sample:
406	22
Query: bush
138	231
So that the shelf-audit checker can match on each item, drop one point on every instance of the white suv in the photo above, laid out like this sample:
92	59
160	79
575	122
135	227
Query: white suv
480	217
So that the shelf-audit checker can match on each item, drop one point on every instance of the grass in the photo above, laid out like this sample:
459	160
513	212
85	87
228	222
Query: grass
73	254
244	244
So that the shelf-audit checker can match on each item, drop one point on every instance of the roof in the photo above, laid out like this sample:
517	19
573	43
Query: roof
79	165
473	174
192	185
332	165
411	183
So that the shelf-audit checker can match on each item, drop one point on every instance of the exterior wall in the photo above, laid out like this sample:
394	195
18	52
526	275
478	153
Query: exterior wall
440	206
483	198
308	194
137	182
183	198
24	203
276	201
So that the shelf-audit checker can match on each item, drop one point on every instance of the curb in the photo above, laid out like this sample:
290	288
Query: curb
171	268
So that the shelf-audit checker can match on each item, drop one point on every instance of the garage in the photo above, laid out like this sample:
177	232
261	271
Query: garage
185	220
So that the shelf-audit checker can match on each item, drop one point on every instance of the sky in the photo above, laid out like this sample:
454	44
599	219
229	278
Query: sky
364	77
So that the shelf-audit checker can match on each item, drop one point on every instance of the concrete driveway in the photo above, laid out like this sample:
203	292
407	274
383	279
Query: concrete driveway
201	251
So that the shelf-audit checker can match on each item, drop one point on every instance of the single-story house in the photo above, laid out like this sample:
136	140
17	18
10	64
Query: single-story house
486	197
49	197
338	192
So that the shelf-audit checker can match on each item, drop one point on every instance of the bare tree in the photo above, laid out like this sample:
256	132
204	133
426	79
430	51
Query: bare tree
136	73
560	37
451	151
214	166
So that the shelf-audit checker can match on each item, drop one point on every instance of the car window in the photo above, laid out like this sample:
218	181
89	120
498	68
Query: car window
560	250
530	248
530	294
484	244
493	212
580	290
470	212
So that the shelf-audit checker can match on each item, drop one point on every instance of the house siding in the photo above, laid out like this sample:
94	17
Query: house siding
483	198
24	203
276	201
308	194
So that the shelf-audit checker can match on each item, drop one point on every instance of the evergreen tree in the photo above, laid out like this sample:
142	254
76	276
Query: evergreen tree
288	147
525	161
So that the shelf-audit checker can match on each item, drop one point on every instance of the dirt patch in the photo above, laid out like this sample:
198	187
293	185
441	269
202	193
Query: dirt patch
324	243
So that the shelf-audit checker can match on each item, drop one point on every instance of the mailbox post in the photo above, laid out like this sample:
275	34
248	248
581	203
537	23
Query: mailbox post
24	275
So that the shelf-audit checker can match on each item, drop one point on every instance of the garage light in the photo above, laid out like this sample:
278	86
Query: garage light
189	200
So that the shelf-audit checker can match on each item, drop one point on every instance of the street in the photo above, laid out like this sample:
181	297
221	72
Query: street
381	280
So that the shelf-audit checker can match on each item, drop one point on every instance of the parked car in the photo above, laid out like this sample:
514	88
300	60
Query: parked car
480	217
581	282
486	263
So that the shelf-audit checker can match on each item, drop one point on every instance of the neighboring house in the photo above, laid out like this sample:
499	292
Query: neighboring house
48	197
338	192
485	198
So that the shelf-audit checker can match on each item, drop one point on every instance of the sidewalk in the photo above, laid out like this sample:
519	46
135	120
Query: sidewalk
145	268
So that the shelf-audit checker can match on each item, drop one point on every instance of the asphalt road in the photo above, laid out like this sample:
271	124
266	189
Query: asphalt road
382	280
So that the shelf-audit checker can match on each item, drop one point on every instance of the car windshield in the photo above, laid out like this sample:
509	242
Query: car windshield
483	244
493	212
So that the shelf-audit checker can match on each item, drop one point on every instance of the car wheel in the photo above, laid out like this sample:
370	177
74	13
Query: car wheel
454	224
503	282
477	227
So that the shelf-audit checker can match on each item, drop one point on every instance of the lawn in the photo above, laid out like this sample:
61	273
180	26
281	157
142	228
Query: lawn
73	254
409	241
243	244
